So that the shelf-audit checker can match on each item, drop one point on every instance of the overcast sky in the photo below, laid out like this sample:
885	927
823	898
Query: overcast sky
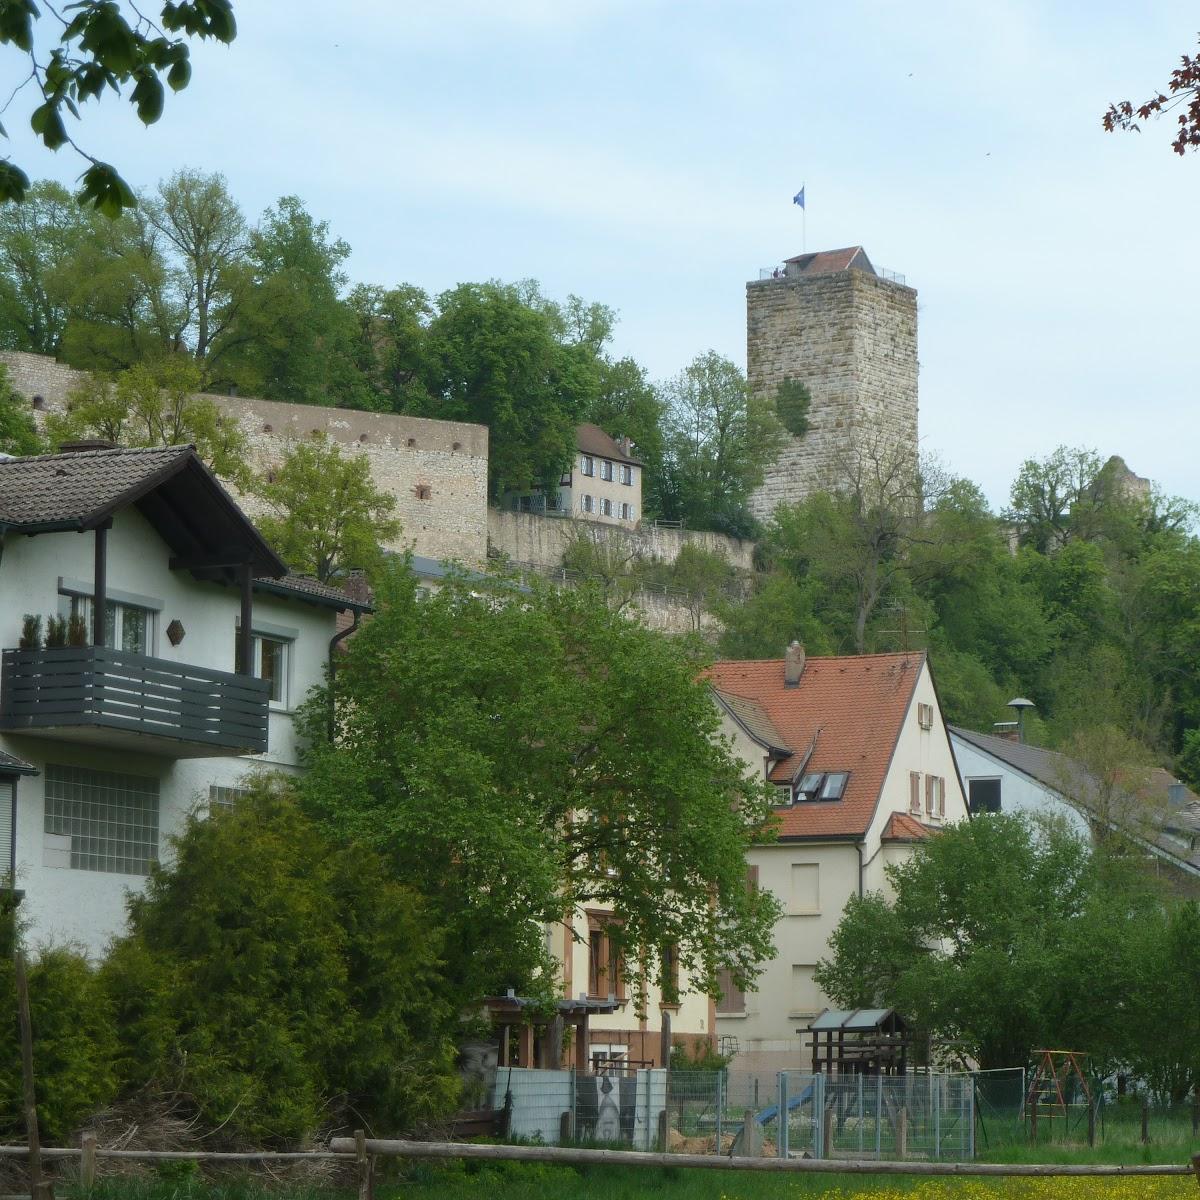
645	153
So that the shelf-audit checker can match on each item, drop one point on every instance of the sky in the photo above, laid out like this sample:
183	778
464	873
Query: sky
644	154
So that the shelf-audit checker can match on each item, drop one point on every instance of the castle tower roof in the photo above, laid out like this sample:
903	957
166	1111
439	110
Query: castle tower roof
826	262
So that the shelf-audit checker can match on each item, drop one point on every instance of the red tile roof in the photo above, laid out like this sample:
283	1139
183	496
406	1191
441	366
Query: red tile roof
591	439
904	828
850	712
825	262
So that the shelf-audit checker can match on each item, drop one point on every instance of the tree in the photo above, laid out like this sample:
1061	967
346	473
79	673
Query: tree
325	514
153	405
494	358
720	439
1184	88
276	976
101	47
493	741
198	218
18	433
628	405
389	346
295	332
1048	495
1002	937
38	240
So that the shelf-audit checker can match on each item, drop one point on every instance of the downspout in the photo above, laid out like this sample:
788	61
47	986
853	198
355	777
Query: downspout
334	642
859	847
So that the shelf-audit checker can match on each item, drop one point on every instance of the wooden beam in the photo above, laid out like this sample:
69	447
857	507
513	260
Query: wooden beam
100	587
246	628
229	560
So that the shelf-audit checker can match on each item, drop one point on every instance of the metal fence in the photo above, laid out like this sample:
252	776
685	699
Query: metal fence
929	1117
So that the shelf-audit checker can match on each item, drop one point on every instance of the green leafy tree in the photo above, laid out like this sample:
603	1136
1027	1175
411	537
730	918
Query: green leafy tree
627	404
389	345
18	433
1001	937
719	441
295	332
277	978
325	516
494	743
153	405
1049	495
496	359
103	44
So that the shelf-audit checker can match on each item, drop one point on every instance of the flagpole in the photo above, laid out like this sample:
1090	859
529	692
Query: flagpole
804	228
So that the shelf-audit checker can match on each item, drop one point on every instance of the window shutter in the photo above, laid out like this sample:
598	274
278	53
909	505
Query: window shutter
941	796
732	999
6	830
914	792
930	802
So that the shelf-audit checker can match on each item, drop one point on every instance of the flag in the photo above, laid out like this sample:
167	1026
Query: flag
798	198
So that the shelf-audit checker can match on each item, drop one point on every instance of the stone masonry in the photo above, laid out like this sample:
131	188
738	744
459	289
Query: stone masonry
851	337
437	470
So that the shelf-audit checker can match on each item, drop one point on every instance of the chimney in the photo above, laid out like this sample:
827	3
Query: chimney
1177	794
793	665
625	445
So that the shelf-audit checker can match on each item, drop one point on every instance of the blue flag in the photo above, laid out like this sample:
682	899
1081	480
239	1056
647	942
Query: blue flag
798	198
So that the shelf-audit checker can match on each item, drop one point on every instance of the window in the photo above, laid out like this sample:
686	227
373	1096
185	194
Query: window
626	475
606	507
984	795
809	786
588	504
269	660
626	512
783	793
835	785
126	626
731	998
806	890
935	796
806	999
606	469
104	821
587	465
605	963
670	973
224	797
914	792
925	716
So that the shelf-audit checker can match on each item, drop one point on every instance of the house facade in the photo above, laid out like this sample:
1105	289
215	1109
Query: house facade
861	758
112	731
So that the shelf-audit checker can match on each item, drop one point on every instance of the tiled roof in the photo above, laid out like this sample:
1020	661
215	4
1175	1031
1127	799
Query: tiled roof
10	764
849	710
826	262
305	587
591	439
73	489
904	828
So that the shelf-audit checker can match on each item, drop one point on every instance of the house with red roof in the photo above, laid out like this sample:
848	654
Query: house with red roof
860	755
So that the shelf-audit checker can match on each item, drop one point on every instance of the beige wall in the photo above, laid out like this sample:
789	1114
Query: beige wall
437	470
599	489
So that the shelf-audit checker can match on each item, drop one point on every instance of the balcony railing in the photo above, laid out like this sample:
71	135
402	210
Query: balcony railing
101	694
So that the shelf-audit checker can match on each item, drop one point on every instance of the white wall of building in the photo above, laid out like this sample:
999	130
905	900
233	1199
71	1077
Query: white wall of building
84	907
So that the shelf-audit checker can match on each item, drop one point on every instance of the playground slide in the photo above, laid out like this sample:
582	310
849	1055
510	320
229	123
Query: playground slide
770	1113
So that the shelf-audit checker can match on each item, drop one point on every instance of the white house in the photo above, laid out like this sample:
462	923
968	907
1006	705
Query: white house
860	755
190	681
1002	775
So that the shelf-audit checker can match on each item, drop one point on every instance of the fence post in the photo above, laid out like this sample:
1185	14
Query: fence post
87	1160
818	1109
935	1102
1145	1122
860	1114
1196	1110
1033	1120
365	1166
781	1121
1091	1122
879	1117
902	1132
720	1106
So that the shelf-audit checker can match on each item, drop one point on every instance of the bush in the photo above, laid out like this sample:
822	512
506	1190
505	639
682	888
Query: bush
276	978
74	1042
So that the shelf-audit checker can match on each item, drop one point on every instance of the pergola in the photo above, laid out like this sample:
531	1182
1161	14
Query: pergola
860	1041
540	1035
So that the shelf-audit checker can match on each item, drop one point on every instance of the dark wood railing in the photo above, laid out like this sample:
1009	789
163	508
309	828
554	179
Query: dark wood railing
100	686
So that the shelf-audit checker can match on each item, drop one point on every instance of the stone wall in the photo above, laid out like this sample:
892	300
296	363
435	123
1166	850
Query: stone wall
530	538
437	470
851	337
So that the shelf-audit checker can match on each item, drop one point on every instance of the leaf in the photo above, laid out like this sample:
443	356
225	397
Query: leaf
16	23
47	124
147	97
14	183
180	75
105	190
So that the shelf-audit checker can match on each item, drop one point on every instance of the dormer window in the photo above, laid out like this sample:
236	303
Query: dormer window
822	785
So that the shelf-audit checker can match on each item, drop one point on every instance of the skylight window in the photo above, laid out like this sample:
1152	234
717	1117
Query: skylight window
822	785
809	786
835	785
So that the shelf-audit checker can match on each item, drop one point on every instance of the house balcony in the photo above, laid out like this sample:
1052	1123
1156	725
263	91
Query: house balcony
107	697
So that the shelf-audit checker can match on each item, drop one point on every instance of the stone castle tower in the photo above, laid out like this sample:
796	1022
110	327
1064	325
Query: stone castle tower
848	332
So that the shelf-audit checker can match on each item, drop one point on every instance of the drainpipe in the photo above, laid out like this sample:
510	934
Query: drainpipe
334	642
859	847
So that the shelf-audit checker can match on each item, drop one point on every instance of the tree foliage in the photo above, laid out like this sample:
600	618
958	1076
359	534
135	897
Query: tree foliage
18	433
719	440
325	515
153	405
792	402
540	782
278	977
1183	99
1003	937
104	45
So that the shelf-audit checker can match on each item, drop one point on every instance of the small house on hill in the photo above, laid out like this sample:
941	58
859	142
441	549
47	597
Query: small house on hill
859	754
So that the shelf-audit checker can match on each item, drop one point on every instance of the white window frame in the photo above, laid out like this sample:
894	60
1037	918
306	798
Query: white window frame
606	508
627	475
588	504
76	599
606	470
284	637
587	465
